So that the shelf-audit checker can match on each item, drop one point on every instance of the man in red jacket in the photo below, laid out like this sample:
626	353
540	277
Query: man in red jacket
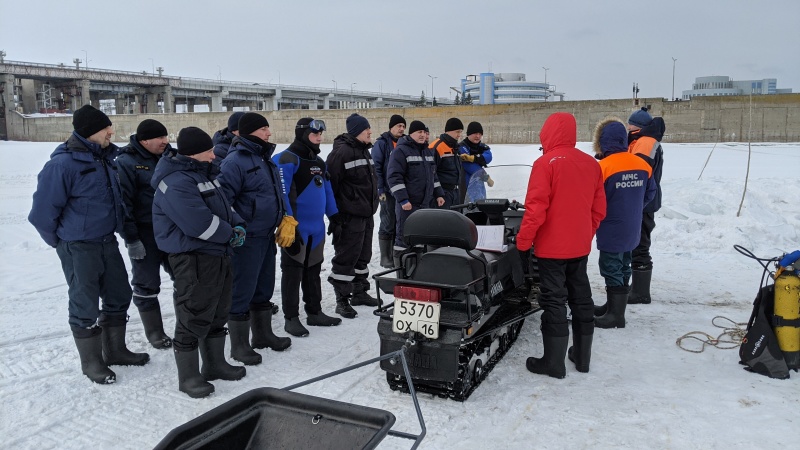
563	208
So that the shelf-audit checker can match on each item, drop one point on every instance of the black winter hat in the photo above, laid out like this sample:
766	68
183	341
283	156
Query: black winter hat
356	124
150	129
396	118
453	124
193	140
415	126
233	121
88	120
300	132
250	122
474	127
640	118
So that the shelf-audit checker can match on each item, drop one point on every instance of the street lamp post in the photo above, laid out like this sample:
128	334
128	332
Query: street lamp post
546	86
673	78
85	59
432	96
153	65
351	94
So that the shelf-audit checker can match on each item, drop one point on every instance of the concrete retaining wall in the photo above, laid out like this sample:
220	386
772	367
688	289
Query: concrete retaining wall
775	118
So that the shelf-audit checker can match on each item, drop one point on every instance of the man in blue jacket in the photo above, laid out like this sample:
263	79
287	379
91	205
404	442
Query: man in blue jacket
251	183
412	180
383	147
224	137
475	155
77	208
136	163
195	223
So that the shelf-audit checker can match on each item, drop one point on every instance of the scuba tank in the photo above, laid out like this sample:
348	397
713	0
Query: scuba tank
786	318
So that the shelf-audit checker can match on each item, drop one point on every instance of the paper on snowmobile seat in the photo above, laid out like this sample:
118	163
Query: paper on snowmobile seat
491	237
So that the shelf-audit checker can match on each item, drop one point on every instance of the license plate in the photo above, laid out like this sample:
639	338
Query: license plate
410	315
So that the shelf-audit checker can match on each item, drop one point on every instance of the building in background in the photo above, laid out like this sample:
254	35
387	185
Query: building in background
504	88
722	85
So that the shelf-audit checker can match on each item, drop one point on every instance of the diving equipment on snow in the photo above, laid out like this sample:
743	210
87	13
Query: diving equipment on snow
786	318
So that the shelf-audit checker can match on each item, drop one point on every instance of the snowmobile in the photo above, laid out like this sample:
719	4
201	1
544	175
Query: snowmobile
461	308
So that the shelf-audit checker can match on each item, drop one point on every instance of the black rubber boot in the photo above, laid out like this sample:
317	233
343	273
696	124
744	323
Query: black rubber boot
581	351
615	315
295	328
344	309
189	379
386	246
154	328
273	307
552	362
321	320
361	297
215	367
640	287
261	327
90	350
240	342
115	352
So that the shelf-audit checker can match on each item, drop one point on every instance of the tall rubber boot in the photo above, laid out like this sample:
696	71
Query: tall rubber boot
189	379
261	330
295	328
581	351
320	319
90	350
154	328
385	246
215	367
361	297
552	362
240	342
615	315
640	287
115	352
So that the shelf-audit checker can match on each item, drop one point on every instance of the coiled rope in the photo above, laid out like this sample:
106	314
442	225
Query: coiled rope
730	338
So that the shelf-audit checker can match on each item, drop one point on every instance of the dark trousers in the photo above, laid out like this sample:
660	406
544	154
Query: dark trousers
202	297
94	270
641	254
253	273
353	249
451	197
615	268
401	216
386	230
564	282
146	272
296	273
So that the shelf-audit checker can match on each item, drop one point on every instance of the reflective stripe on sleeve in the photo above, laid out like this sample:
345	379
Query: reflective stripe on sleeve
211	229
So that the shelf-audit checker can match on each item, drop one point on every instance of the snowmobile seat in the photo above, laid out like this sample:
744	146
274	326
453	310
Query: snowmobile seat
440	227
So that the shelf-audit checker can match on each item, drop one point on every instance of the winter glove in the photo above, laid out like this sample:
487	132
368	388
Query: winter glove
286	231
489	181
237	238
335	226
467	158
136	250
382	197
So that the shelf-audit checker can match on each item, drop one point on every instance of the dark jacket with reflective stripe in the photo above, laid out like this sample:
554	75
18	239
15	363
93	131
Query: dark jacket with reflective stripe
380	155
78	197
448	163
251	184
412	174
222	142
190	211
353	179
136	166
646	143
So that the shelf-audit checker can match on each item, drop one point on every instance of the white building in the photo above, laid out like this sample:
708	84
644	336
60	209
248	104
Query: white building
504	88
721	85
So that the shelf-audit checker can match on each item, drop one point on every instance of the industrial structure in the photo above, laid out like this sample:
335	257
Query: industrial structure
505	88
722	85
46	88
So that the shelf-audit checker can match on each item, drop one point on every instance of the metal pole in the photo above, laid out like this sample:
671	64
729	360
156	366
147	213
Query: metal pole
85	59
673	78
432	96
546	86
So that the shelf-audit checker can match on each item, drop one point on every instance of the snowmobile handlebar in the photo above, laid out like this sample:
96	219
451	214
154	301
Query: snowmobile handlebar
490	205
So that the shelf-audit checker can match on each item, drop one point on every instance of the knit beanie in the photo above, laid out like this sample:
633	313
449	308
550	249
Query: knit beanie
614	138
150	129
415	126
453	124
233	121
88	120
640	118
193	140
356	124
474	127
250	122
396	118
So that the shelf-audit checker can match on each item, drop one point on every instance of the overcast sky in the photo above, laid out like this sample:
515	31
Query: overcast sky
593	49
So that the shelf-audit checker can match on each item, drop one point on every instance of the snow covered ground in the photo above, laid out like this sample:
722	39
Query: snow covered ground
642	392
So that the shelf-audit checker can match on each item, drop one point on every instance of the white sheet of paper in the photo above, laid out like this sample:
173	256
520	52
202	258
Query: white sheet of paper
490	238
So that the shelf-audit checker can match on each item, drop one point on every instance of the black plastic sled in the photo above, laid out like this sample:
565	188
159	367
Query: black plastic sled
270	418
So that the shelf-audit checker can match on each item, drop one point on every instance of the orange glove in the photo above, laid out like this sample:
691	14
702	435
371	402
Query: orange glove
284	236
489	181
468	158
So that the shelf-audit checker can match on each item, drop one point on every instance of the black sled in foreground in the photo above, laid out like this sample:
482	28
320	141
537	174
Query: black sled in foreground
462	308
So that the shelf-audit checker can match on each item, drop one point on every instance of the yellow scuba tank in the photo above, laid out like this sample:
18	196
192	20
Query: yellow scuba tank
787	317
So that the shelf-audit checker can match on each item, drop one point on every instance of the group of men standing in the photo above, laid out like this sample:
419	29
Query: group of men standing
213	213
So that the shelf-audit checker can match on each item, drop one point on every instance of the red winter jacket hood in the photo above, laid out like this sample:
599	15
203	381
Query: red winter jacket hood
566	200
